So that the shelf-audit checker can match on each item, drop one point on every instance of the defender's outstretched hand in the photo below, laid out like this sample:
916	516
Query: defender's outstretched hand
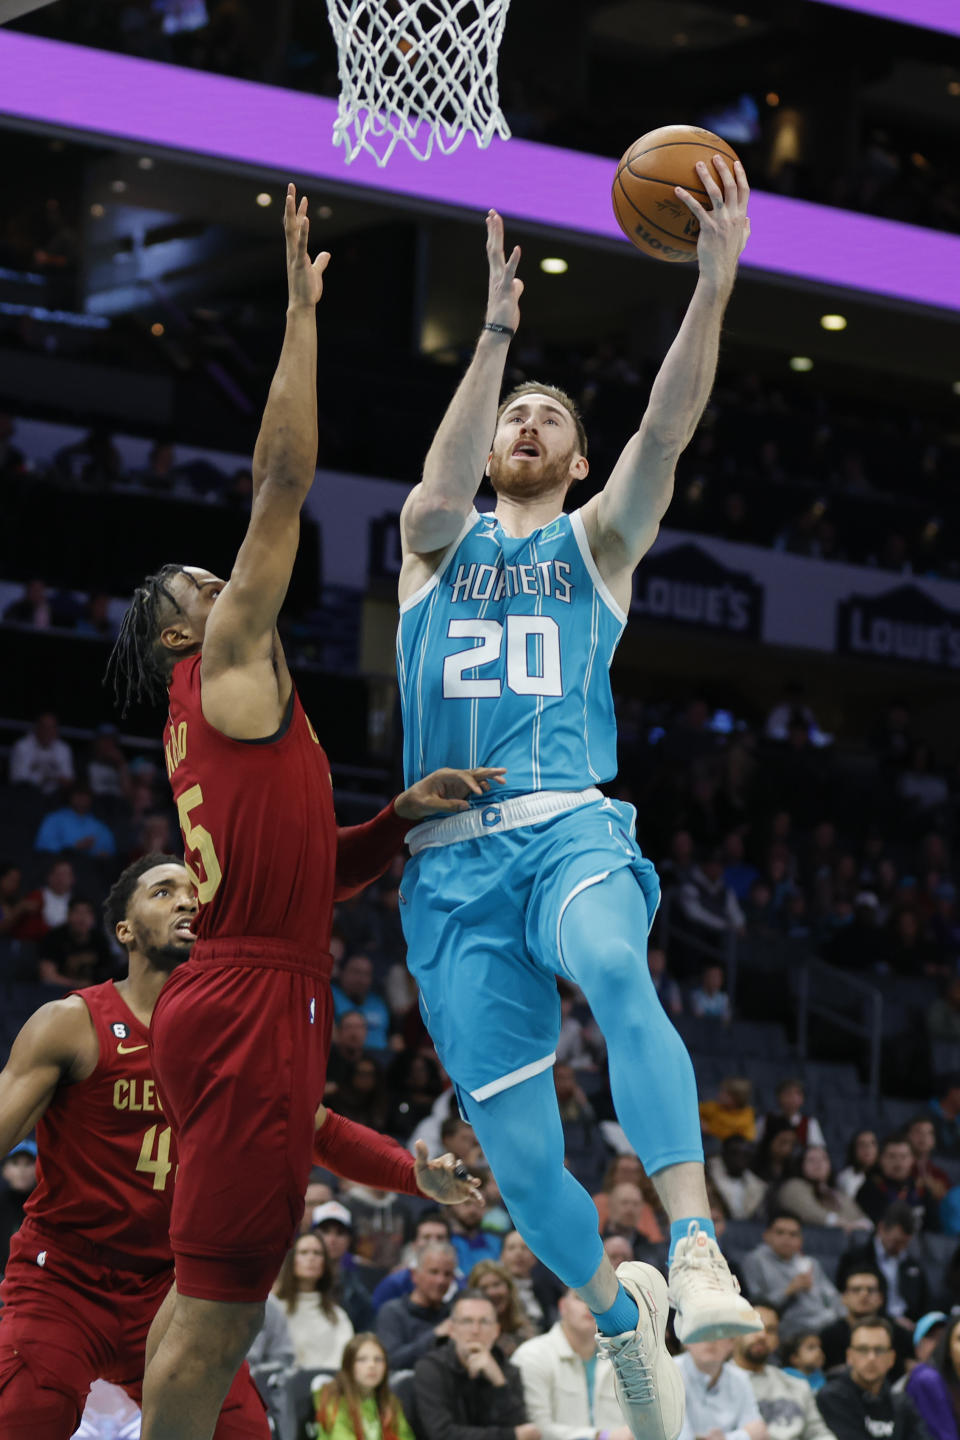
443	792
304	277
445	1179
725	229
503	295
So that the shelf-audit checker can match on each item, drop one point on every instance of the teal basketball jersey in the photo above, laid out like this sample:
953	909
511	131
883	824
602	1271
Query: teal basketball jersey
503	658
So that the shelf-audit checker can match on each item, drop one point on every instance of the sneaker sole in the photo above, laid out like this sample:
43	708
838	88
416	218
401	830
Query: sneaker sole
666	1374
717	1330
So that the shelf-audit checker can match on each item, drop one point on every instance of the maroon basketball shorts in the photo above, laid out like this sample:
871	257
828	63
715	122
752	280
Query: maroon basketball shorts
68	1321
239	1047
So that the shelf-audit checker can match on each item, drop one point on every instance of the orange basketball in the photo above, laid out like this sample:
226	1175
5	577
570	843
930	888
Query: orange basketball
647	210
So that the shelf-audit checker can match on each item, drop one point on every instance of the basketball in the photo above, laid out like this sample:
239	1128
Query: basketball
647	210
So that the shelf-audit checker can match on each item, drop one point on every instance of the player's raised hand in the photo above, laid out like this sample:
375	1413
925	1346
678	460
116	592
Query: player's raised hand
304	276
724	229
446	1179
443	792
503	294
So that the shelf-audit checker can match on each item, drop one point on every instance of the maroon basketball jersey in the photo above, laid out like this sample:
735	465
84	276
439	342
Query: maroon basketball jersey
106	1163
258	824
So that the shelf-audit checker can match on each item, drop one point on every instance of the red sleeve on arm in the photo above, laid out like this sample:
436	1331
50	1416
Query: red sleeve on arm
365	851
356	1153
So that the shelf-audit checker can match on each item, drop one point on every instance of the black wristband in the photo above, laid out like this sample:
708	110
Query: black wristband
499	329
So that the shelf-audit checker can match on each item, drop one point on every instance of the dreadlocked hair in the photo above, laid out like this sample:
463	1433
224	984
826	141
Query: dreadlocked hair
139	664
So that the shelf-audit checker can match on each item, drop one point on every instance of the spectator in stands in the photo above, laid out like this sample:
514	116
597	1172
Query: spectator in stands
107	774
18	912
34	607
909	951
922	789
858	1403
95	618
664	983
273	1344
334	1223
738	873
720	1400
470	1241
943	1016
432	1228
863	1152
467	1390
75	827
19	1175
934	1384
75	954
40	758
676	870
709	1000
861	944
563	1398
627	1170
412	1324
775	1152
789	710
363	1095
629	1214
579	1042
707	902
536	1293
803	1358
926	1334
904	1284
413	1080
922	1139
815	1199
354	991
863	1297
743	1193
945	1107
779	1270
358	1403
457	1136
791	1106
54	899
892	1180
492	1280
307	1287
348	1047
786	1404
732	1112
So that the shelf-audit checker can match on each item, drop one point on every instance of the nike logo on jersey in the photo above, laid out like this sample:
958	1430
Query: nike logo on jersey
129	1049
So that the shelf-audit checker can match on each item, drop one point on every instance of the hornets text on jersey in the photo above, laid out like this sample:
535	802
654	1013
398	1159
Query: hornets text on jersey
503	658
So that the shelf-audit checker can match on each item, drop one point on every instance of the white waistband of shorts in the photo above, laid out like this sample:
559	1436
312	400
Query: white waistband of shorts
498	815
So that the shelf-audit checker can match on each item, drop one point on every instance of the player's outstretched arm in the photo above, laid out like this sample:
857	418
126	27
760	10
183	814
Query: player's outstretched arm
357	1153
57	1043
242	623
436	508
626	515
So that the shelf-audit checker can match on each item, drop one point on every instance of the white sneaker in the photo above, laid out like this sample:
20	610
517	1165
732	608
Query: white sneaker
648	1384
704	1294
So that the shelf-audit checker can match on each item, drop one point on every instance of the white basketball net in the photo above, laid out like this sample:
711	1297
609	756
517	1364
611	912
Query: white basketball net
421	71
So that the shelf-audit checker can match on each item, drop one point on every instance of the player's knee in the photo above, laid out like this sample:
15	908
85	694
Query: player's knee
220	1336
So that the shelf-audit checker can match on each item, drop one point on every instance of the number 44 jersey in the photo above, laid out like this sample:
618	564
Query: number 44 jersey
259	830
503	658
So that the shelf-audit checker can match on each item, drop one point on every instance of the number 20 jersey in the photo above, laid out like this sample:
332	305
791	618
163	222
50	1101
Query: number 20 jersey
503	658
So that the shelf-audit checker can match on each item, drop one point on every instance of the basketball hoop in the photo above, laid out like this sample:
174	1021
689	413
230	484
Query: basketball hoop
420	71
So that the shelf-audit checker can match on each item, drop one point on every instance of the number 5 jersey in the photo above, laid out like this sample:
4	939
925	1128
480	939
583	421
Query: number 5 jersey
258	824
503	658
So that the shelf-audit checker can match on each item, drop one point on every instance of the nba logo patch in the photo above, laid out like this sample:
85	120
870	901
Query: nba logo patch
120	1030
42	1258
313	1010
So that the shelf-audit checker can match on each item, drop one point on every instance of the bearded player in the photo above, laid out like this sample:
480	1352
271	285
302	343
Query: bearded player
91	1263
240	1035
508	625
